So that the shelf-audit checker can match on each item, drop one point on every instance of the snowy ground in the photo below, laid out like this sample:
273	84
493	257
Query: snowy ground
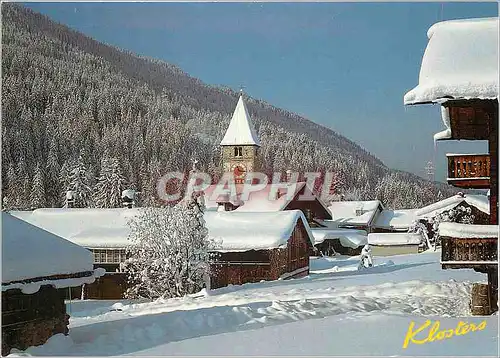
337	310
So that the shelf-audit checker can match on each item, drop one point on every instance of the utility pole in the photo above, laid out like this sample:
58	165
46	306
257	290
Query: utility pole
430	170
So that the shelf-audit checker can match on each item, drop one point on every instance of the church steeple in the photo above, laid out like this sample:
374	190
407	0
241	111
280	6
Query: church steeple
240	130
240	143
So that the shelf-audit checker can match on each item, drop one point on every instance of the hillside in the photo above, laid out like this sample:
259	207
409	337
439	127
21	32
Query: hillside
75	110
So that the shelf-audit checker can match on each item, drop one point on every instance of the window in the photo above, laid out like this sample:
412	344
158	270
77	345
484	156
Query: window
111	256
238	151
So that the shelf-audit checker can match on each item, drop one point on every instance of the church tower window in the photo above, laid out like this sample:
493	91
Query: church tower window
238	152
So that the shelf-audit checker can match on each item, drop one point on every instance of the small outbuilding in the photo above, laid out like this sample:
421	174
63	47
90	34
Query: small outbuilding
387	244
38	268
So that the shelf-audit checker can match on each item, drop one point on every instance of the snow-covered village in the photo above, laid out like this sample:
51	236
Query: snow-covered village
150	212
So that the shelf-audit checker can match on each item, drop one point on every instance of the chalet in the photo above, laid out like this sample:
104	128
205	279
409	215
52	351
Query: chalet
328	242
37	269
359	215
459	72
402	220
387	244
259	246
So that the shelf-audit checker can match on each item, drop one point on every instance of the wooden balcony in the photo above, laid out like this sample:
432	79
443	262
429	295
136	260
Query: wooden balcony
469	171
479	254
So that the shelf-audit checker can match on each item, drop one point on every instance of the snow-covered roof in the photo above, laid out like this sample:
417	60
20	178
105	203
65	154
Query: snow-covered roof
107	228
347	237
395	219
481	202
389	239
467	231
261	200
240	130
243	231
344	212
30	253
460	61
90	228
102	237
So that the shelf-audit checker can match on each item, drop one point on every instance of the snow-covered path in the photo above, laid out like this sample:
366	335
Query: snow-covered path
336	295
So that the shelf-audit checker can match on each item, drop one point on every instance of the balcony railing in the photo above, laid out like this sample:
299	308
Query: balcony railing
468	253
469	170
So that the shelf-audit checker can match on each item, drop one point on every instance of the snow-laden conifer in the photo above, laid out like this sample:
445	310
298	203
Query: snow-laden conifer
107	192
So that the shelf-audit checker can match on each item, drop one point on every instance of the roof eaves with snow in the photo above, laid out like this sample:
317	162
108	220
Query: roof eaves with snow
460	62
478	201
465	231
347	237
89	228
240	130
244	231
33	255
394	239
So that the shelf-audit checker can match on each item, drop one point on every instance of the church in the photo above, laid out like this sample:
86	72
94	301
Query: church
240	148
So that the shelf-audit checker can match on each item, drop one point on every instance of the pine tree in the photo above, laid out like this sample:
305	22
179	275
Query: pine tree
52	175
110	184
22	185
64	180
10	196
80	184
38	193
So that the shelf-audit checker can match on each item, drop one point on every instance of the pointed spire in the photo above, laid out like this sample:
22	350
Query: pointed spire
240	130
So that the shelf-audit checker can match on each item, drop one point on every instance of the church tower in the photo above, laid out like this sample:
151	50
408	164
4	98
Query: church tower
240	144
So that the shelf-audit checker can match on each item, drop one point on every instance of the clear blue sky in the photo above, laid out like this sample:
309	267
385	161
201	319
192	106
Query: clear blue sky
344	65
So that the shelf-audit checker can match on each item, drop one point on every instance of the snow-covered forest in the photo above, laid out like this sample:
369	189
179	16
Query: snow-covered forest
84	116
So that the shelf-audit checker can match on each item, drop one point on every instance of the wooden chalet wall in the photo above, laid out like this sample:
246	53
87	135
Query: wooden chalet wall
30	320
108	287
478	120
111	286
317	210
236	268
469	119
480	218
